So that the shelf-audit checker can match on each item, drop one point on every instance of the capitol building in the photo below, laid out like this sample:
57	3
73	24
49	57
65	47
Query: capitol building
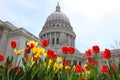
57	30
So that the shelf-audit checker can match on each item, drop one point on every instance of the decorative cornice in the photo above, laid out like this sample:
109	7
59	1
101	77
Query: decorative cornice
23	32
7	25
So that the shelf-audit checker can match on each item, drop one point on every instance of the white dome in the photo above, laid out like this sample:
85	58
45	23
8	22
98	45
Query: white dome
57	16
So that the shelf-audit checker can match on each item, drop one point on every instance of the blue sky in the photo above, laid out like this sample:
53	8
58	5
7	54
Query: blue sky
95	22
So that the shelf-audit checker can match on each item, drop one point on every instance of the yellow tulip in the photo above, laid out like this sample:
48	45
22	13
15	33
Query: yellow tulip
30	58
35	43
45	55
55	66
85	65
67	68
59	59
33	62
40	50
18	52
50	61
38	55
60	66
88	72
34	50
83	73
44	64
73	68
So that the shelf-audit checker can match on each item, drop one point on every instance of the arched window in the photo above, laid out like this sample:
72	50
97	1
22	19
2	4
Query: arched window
57	40
53	41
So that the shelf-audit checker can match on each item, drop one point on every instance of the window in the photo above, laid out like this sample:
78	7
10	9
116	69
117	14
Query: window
57	25
57	41
53	25
53	41
74	62
49	25
49	40
79	62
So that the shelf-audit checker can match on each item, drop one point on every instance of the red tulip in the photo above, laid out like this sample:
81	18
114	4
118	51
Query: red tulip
95	63
106	54
90	59
119	55
67	68
34	58
10	69
82	70
18	69
88	52
105	70
82	77
44	43
114	68
96	49
66	63
71	50
64	50
51	54
13	44
77	68
1	57
27	51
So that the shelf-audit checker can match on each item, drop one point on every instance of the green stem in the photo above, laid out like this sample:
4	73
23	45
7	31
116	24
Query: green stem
16	61
71	59
64	58
7	75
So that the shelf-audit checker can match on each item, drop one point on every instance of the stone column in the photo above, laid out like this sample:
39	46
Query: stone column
45	36
78	61
4	41
55	38
73	41
69	40
71	61
50	38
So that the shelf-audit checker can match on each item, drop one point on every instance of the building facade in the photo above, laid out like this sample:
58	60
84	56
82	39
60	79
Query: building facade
9	32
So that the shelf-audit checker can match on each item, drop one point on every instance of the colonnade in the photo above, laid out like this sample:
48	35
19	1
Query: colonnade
54	38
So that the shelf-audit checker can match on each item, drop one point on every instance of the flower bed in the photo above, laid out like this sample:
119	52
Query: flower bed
41	63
